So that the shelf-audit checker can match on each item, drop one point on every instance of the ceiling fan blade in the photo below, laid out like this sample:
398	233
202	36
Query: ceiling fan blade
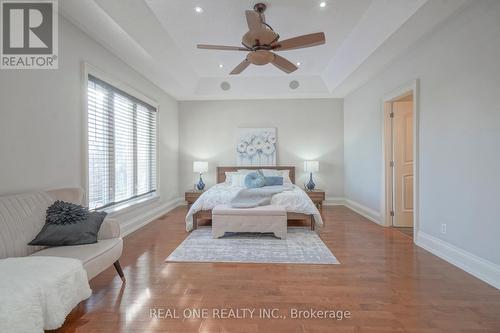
253	20
241	67
300	42
221	47
283	64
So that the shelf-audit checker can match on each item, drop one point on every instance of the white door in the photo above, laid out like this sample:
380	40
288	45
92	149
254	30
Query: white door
403	163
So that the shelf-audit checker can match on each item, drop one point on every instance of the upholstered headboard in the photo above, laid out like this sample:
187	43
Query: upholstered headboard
221	171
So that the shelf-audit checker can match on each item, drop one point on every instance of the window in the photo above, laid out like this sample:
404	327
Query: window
121	145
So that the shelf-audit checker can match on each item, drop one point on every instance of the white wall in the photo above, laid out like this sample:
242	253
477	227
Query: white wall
41	118
308	129
459	71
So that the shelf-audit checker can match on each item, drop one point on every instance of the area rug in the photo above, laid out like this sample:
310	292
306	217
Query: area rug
302	246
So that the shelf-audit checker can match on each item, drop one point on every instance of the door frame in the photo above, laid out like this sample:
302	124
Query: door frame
411	87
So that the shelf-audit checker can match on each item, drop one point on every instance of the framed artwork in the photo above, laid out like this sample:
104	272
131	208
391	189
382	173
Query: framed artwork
256	146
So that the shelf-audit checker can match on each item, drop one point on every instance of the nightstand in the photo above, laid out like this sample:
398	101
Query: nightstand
191	196
317	196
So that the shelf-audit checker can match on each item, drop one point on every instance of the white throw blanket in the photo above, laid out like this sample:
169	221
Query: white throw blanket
38	293
253	197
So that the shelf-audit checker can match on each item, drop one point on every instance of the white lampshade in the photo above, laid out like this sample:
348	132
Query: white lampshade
311	166
200	166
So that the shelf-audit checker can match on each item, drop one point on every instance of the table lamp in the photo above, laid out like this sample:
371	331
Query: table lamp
200	167
311	166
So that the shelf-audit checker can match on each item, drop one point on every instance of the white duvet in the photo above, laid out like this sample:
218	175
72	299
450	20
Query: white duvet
294	200
37	293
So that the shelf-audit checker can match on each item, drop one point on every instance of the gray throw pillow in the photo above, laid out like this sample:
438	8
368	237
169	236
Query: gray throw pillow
69	224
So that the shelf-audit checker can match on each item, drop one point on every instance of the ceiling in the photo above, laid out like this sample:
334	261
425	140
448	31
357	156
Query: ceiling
223	22
158	38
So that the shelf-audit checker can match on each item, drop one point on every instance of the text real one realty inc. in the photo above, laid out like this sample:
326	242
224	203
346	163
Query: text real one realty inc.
246	313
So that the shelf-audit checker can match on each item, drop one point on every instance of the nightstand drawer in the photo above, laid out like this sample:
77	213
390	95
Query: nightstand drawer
317	196
192	196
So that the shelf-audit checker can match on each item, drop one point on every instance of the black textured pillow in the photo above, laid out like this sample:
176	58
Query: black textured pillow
69	224
61	212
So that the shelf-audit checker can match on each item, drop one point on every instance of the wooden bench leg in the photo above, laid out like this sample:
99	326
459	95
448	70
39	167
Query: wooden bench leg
195	221
312	222
118	268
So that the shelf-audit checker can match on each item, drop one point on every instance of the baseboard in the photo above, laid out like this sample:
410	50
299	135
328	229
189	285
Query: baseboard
141	220
472	264
334	201
364	211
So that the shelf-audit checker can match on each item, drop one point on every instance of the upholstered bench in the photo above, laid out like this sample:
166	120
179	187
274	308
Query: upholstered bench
270	218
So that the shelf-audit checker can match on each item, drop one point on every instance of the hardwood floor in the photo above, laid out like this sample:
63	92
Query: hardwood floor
387	284
405	230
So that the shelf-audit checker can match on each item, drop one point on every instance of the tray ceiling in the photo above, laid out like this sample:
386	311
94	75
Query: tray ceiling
158	38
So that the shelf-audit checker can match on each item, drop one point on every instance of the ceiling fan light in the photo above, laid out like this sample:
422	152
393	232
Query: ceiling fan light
261	41
198	9
322	4
221	66
299	63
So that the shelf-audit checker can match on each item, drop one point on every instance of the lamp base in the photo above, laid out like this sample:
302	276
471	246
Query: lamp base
310	185
201	185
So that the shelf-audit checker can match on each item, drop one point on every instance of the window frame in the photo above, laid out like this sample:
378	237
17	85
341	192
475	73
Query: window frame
88	69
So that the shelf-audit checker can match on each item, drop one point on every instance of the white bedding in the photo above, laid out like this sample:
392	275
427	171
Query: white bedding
38	293
294	200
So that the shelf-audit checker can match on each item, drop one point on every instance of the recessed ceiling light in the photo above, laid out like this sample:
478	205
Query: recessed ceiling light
221	65
299	63
322	4
225	86
198	9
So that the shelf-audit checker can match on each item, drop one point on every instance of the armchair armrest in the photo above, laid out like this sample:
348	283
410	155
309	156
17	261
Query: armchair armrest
110	228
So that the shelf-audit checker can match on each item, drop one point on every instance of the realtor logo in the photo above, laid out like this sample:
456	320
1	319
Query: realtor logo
28	34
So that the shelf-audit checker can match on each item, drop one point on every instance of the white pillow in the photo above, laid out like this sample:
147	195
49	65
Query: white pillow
229	176
286	176
238	180
246	171
271	172
278	173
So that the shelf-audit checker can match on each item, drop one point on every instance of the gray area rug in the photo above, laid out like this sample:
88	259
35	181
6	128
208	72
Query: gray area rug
302	246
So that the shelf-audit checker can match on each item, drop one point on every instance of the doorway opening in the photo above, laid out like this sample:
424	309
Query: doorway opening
400	140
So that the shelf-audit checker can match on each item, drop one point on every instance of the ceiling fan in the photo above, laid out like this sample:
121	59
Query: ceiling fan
261	40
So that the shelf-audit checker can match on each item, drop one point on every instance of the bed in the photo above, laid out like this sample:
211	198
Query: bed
296	202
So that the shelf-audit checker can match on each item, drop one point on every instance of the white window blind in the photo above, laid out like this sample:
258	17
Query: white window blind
121	145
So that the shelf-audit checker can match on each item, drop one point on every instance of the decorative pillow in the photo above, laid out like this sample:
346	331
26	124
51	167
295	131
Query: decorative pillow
278	173
273	180
254	180
238	180
229	176
246	171
286	177
61	212
69	224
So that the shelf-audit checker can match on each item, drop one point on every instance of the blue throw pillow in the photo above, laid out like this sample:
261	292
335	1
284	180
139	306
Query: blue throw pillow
273	180
254	180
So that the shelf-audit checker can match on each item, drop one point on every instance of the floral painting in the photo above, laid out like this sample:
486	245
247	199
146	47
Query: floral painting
256	146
